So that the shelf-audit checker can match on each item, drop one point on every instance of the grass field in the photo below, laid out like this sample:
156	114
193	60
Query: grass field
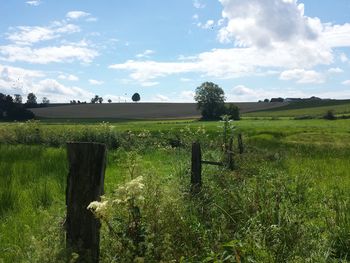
287	201
310	108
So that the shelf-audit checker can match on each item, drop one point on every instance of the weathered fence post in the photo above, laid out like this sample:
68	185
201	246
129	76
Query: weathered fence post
240	143
230	160
196	168
87	162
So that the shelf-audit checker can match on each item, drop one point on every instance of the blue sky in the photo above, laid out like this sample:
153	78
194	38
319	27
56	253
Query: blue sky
253	49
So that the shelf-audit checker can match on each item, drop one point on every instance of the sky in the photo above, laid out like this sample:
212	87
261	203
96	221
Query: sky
253	49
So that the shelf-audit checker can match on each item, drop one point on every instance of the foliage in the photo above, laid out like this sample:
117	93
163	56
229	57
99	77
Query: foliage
233	112
97	99
31	101
284	203
45	101
210	100
13	110
136	97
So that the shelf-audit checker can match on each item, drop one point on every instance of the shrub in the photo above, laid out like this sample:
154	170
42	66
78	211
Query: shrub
233	112
329	115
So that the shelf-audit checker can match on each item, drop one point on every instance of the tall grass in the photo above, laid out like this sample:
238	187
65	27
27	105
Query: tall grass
288	201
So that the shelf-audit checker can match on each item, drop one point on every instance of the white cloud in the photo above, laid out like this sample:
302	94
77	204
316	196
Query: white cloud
207	25
161	98
185	79
335	70
33	2
195	16
346	82
58	92
270	36
76	14
145	54
69	77
14	80
187	95
95	82
197	4
149	83
303	76
91	19
242	90
230	63
337	35
343	58
279	24
45	55
263	22
28	35
243	93
17	80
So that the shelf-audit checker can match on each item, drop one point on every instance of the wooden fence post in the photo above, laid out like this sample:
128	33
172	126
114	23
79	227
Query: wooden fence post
196	168
240	143
230	160
87	162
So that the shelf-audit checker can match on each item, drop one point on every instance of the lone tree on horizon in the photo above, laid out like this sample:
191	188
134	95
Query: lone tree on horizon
210	100
136	97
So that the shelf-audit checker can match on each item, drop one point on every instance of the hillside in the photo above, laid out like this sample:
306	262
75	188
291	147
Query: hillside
303	108
137	110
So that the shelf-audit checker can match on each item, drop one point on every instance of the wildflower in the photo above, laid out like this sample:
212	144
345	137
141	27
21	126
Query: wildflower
99	209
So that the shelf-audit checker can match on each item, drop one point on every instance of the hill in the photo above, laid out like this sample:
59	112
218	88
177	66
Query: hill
303	108
137	110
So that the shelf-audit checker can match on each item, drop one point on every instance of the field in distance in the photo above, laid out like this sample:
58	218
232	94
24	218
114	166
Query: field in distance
144	111
305	108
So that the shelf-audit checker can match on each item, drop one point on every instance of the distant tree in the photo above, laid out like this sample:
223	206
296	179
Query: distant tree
31	100
136	97
266	100
18	99
45	101
94	99
277	99
210	100
109	101
78	102
233	112
97	99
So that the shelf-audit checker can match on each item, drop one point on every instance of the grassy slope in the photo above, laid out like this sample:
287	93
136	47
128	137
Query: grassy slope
312	108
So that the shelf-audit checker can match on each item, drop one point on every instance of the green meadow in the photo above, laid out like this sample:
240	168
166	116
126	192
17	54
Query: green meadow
288	200
314	109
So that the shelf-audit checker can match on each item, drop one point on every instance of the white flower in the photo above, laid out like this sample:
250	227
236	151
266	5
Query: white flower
99	209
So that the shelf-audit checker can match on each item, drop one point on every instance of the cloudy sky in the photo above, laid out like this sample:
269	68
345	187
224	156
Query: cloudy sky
253	49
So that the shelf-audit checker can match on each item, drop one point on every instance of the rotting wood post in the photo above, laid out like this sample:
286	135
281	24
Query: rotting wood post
240	143
196	168
85	183
230	157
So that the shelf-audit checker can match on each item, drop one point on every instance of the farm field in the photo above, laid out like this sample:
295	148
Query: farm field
288	200
141	111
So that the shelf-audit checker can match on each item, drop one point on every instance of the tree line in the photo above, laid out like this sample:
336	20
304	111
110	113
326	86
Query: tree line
13	108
